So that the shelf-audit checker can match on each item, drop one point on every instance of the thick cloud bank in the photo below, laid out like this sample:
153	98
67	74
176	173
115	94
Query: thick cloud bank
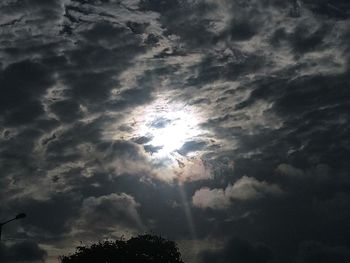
223	125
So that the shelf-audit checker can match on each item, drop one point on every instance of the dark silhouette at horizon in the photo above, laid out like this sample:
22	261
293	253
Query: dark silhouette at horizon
143	248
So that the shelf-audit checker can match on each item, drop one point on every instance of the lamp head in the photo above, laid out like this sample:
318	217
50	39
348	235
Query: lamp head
21	215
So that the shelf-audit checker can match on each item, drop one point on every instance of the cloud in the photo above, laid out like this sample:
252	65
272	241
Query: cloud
237	250
47	218
244	189
19	100
22	252
191	146
105	214
289	170
338	9
320	173
210	198
313	251
268	80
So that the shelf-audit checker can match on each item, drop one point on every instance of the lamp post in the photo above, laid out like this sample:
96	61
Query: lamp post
19	216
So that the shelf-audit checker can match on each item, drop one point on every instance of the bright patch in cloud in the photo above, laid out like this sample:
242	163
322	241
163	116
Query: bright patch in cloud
168	126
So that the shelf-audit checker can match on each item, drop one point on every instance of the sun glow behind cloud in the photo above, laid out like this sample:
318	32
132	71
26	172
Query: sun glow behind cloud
171	134
168	126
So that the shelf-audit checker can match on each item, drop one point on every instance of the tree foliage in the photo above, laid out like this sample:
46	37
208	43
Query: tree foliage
143	249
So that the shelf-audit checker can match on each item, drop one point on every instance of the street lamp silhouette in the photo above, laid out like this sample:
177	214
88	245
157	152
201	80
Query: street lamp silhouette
19	216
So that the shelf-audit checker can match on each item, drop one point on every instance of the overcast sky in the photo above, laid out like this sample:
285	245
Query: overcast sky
220	124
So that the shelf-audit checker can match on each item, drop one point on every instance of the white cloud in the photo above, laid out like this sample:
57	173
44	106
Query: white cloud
210	198
246	188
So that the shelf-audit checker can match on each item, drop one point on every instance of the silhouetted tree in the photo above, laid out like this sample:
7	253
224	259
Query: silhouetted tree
142	249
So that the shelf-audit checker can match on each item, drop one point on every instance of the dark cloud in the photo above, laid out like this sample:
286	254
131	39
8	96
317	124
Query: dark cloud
238	250
266	81
26	251
160	6
66	110
317	252
304	41
51	217
83	86
22	83
184	19
242	30
338	9
122	149
118	210
191	146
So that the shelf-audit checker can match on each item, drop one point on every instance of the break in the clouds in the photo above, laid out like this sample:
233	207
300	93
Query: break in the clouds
223	125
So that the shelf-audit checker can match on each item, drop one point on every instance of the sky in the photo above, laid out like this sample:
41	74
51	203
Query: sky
220	124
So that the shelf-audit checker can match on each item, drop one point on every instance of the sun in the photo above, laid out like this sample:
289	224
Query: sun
168	132
168	126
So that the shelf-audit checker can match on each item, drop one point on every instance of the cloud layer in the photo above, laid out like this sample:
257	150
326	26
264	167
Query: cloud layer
262	87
